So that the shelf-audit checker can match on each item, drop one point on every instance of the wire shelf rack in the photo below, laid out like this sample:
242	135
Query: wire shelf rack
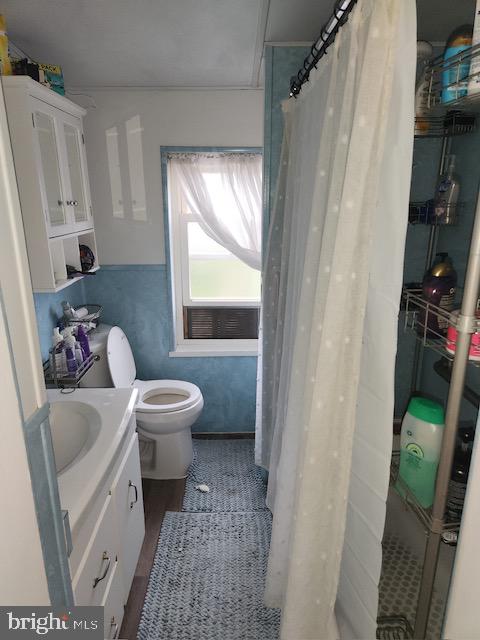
424	515
453	83
94	311
66	380
454	123
426	212
430	323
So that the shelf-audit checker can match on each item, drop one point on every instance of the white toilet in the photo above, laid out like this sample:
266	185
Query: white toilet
165	410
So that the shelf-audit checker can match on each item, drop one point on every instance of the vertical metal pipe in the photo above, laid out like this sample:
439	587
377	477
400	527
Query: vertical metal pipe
431	250
465	327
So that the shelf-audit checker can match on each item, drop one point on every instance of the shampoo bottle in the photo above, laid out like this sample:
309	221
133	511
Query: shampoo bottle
83	340
78	354
420	444
57	356
70	354
454	77
438	288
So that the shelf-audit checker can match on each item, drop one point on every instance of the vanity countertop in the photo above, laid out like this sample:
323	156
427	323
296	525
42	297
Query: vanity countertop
80	482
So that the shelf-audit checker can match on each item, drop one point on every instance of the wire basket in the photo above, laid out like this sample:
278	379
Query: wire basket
453	83
431	323
93	315
423	514
64	380
425	213
454	123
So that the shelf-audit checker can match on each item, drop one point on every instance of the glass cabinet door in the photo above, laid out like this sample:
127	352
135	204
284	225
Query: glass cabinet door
56	210
75	169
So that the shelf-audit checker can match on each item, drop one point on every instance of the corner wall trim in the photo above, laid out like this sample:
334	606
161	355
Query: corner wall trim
39	447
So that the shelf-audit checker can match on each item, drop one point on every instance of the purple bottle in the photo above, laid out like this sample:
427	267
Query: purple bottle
83	340
438	287
71	362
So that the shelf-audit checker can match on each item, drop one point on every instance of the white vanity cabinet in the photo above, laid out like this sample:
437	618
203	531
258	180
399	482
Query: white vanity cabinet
48	145
107	543
127	494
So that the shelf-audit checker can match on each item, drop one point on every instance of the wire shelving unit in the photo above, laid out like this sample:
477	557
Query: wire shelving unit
451	86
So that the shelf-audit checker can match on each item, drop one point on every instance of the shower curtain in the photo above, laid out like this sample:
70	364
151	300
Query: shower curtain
332	285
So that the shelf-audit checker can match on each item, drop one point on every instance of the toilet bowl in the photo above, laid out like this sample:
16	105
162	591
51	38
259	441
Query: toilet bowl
165	409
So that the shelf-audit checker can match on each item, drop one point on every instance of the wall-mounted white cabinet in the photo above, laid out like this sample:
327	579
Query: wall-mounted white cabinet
50	162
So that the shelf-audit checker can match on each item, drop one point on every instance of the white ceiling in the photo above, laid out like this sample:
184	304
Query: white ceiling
180	43
142	42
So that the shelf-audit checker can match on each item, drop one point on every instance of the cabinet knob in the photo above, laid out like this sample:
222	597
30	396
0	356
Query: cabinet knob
72	203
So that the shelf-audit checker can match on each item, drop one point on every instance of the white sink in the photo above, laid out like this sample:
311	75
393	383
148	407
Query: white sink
75	427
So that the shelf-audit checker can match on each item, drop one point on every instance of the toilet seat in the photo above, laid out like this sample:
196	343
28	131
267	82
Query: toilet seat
189	394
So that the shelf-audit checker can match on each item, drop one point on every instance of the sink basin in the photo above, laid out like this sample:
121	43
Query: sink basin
75	427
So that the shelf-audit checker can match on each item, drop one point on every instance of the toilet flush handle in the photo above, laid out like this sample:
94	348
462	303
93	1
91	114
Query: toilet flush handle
130	484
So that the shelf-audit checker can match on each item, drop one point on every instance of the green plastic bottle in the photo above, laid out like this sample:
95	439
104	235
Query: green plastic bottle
420	445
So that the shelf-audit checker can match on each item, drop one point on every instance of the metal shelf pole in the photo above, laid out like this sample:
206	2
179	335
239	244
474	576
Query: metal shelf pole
465	328
431	249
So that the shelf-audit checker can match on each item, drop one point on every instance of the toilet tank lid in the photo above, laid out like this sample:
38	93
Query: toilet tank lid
120	359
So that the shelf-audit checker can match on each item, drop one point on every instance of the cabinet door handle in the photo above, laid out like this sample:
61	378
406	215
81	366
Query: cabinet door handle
67	531
113	625
72	203
107	568
130	484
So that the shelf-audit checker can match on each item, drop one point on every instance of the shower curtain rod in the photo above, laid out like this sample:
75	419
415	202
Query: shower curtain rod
319	48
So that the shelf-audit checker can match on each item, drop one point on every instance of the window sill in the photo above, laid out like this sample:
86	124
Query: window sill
197	351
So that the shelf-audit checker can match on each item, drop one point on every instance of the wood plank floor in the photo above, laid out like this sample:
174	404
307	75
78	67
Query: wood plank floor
159	496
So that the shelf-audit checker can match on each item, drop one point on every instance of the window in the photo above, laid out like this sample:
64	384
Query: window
214	202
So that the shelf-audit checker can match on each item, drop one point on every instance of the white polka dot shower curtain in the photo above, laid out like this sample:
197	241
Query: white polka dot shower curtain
332	286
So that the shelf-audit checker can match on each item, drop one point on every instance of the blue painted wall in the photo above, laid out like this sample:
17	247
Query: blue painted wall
281	63
136	298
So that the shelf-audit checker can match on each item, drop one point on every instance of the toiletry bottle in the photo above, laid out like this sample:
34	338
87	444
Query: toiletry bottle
68	310
70	354
424	54
83	340
420	444
57	355
446	195
78	354
454	81
457	487
474	80
438	288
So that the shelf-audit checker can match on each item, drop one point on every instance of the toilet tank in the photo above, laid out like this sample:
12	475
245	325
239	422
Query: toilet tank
99	374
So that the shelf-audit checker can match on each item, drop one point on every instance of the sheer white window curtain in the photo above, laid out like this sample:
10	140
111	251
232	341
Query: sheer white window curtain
225	192
332	286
